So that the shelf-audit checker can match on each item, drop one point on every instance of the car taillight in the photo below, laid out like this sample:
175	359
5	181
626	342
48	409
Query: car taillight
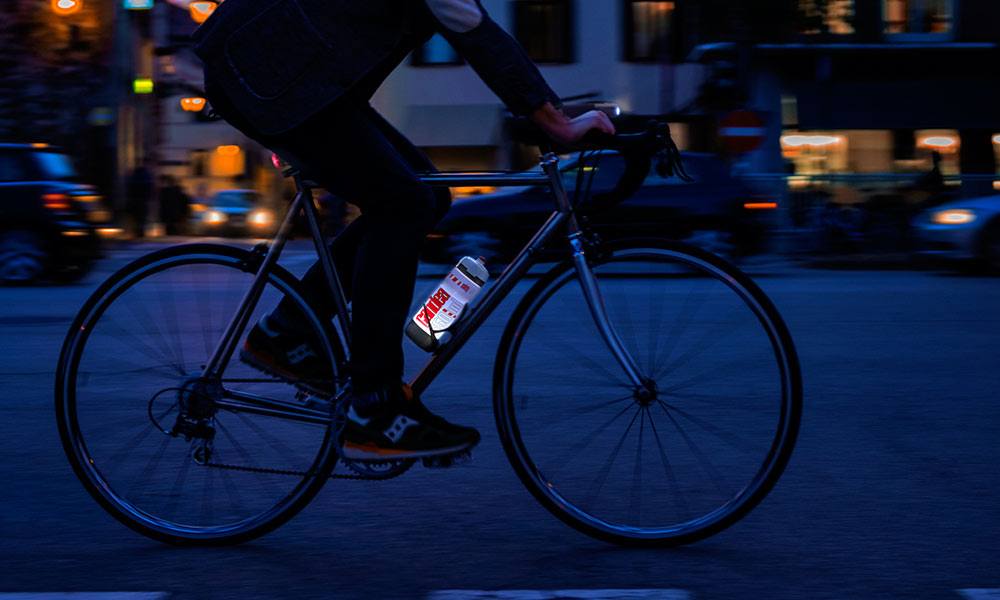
56	201
760	205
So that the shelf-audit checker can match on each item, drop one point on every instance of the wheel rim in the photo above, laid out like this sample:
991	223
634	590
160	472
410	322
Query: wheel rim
134	354
638	483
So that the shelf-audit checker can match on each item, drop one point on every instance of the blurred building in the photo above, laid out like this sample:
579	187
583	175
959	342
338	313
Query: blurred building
856	90
611	50
862	89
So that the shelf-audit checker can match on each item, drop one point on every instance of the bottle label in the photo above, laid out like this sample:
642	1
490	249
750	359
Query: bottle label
445	305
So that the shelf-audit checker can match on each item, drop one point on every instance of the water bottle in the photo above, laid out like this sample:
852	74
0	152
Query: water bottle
429	327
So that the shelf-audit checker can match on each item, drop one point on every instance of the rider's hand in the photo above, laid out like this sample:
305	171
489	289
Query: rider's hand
569	132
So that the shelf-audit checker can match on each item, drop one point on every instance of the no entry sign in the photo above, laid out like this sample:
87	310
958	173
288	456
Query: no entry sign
742	131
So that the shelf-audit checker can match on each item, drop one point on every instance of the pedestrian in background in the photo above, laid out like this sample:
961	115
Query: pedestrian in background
174	206
138	192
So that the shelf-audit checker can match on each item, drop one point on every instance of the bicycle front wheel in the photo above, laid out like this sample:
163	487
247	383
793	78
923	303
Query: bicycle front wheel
168	453
699	445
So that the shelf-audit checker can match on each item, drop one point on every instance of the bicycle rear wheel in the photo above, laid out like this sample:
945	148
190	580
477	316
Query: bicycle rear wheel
130	368
634	467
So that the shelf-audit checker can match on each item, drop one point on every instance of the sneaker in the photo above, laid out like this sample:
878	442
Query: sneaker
436	420
287	356
391	427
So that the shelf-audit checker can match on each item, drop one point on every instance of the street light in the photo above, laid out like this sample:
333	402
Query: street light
66	7
201	10
194	104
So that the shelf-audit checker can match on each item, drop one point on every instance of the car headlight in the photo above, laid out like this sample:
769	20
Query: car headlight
261	218
953	216
214	217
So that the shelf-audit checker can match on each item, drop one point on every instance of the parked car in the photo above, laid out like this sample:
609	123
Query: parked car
962	230
49	222
497	225
233	212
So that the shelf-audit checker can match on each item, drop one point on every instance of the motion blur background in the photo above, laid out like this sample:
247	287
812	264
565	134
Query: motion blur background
843	118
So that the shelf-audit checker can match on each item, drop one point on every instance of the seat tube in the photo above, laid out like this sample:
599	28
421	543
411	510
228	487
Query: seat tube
330	271
227	345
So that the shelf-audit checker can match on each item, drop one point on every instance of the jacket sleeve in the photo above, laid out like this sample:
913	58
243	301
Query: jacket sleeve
497	58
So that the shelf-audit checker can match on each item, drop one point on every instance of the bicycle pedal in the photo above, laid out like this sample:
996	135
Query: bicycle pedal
447	461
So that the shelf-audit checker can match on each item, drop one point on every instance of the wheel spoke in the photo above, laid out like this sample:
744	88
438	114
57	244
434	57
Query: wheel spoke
703	460
578	448
602	475
675	492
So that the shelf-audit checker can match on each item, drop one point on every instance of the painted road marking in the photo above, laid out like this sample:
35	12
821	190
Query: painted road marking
661	594
83	595
981	593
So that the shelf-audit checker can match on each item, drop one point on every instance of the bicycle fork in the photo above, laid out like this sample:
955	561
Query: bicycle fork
588	282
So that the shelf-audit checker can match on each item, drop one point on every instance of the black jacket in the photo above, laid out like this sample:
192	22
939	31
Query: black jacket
281	61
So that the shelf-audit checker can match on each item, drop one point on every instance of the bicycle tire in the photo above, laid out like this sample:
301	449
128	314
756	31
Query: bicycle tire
545	492
75	446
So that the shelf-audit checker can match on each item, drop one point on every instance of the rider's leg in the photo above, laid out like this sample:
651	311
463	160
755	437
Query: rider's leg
377	170
345	247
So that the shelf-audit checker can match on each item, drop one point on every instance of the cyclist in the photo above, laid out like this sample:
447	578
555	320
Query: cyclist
297	76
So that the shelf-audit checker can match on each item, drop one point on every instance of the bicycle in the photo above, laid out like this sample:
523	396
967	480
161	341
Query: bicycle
183	444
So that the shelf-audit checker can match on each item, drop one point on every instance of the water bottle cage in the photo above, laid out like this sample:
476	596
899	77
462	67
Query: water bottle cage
435	343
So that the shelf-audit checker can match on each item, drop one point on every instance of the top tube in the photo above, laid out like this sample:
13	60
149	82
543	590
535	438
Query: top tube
485	179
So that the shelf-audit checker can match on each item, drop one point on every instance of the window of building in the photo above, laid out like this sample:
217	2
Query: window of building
435	52
647	30
918	17
827	16
545	29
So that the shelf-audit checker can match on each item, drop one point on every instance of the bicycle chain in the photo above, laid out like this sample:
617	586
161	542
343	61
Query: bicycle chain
274	471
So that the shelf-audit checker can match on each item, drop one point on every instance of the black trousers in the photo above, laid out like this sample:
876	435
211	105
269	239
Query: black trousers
354	153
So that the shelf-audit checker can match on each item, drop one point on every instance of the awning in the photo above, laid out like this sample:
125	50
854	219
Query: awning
453	125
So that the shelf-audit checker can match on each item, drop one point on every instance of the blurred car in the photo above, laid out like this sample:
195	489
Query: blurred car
49	222
496	225
233	212
961	230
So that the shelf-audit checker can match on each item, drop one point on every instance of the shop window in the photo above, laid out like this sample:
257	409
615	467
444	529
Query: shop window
647	30
815	152
545	29
434	53
918	17
834	17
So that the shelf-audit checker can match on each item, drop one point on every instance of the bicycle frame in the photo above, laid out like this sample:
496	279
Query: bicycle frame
562	218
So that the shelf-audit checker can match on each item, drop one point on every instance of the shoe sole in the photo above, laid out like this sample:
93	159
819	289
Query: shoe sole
371	452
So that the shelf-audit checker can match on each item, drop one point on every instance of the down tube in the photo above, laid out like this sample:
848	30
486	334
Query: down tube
469	325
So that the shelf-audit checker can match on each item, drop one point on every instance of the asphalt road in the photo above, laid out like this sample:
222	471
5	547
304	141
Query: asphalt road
892	491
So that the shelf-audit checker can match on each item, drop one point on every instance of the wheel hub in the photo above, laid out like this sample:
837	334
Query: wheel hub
196	402
647	394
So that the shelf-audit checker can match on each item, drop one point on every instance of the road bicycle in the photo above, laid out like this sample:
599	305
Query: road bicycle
645	392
